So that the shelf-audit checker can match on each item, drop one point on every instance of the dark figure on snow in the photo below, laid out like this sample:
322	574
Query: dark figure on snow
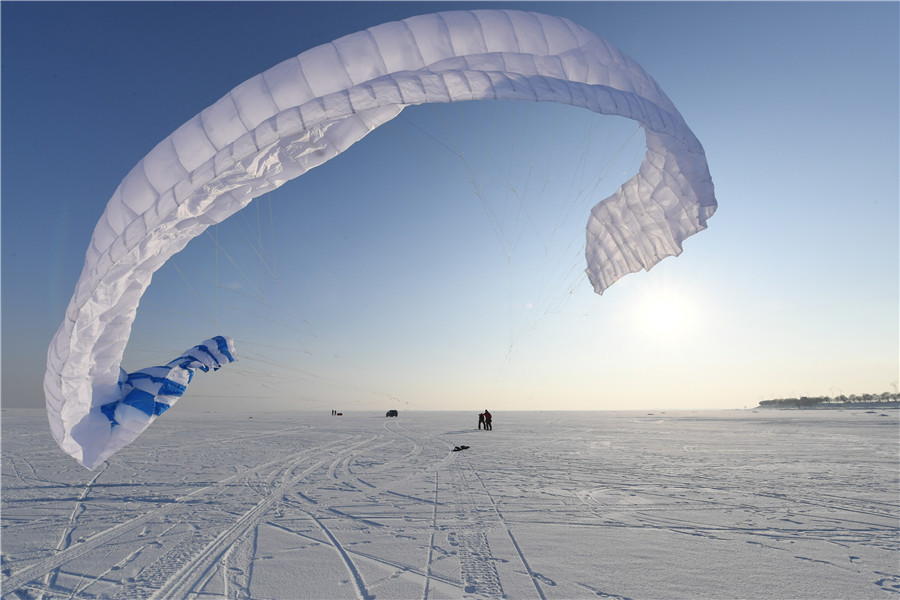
481	421
487	420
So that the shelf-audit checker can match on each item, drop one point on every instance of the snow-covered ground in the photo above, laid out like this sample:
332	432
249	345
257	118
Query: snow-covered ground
749	504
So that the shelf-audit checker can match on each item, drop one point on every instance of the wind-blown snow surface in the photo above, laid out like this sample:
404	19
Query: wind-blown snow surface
765	504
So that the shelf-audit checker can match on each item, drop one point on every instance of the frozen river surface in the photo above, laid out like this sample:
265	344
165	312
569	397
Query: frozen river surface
764	504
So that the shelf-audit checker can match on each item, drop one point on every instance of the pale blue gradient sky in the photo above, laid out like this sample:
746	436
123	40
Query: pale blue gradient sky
382	281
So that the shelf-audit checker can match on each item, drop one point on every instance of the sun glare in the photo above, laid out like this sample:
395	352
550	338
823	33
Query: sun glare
665	313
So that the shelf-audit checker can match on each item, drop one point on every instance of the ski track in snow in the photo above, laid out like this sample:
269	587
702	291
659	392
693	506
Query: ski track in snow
800	504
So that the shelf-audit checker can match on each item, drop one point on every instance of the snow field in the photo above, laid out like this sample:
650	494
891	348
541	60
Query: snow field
750	504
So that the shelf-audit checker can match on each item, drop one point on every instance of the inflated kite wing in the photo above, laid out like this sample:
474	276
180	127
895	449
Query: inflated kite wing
308	109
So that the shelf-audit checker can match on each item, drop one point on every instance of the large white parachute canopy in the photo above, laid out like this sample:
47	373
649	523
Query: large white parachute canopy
310	108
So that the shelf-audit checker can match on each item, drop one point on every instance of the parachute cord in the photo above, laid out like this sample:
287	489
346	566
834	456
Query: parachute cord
529	189
265	371
259	251
216	276
473	179
264	245
506	244
259	243
269	267
259	236
263	299
525	191
276	371
272	244
191	288
451	148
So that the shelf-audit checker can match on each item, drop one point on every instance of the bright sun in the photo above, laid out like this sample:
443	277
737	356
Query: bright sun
665	313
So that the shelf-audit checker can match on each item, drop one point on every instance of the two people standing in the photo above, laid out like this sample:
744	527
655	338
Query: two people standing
485	419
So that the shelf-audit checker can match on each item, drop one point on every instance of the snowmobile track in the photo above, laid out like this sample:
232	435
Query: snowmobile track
183	583
48	565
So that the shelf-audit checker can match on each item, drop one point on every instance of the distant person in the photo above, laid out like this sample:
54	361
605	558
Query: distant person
481	421
487	420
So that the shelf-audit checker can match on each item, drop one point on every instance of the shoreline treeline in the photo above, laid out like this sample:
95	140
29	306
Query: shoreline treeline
853	400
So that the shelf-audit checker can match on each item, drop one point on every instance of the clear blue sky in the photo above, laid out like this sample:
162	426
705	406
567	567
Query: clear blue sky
380	280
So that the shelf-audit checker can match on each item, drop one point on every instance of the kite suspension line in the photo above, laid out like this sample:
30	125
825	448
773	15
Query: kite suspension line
533	179
537	195
536	170
267	298
218	247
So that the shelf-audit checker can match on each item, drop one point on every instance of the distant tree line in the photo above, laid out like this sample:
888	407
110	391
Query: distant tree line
812	401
